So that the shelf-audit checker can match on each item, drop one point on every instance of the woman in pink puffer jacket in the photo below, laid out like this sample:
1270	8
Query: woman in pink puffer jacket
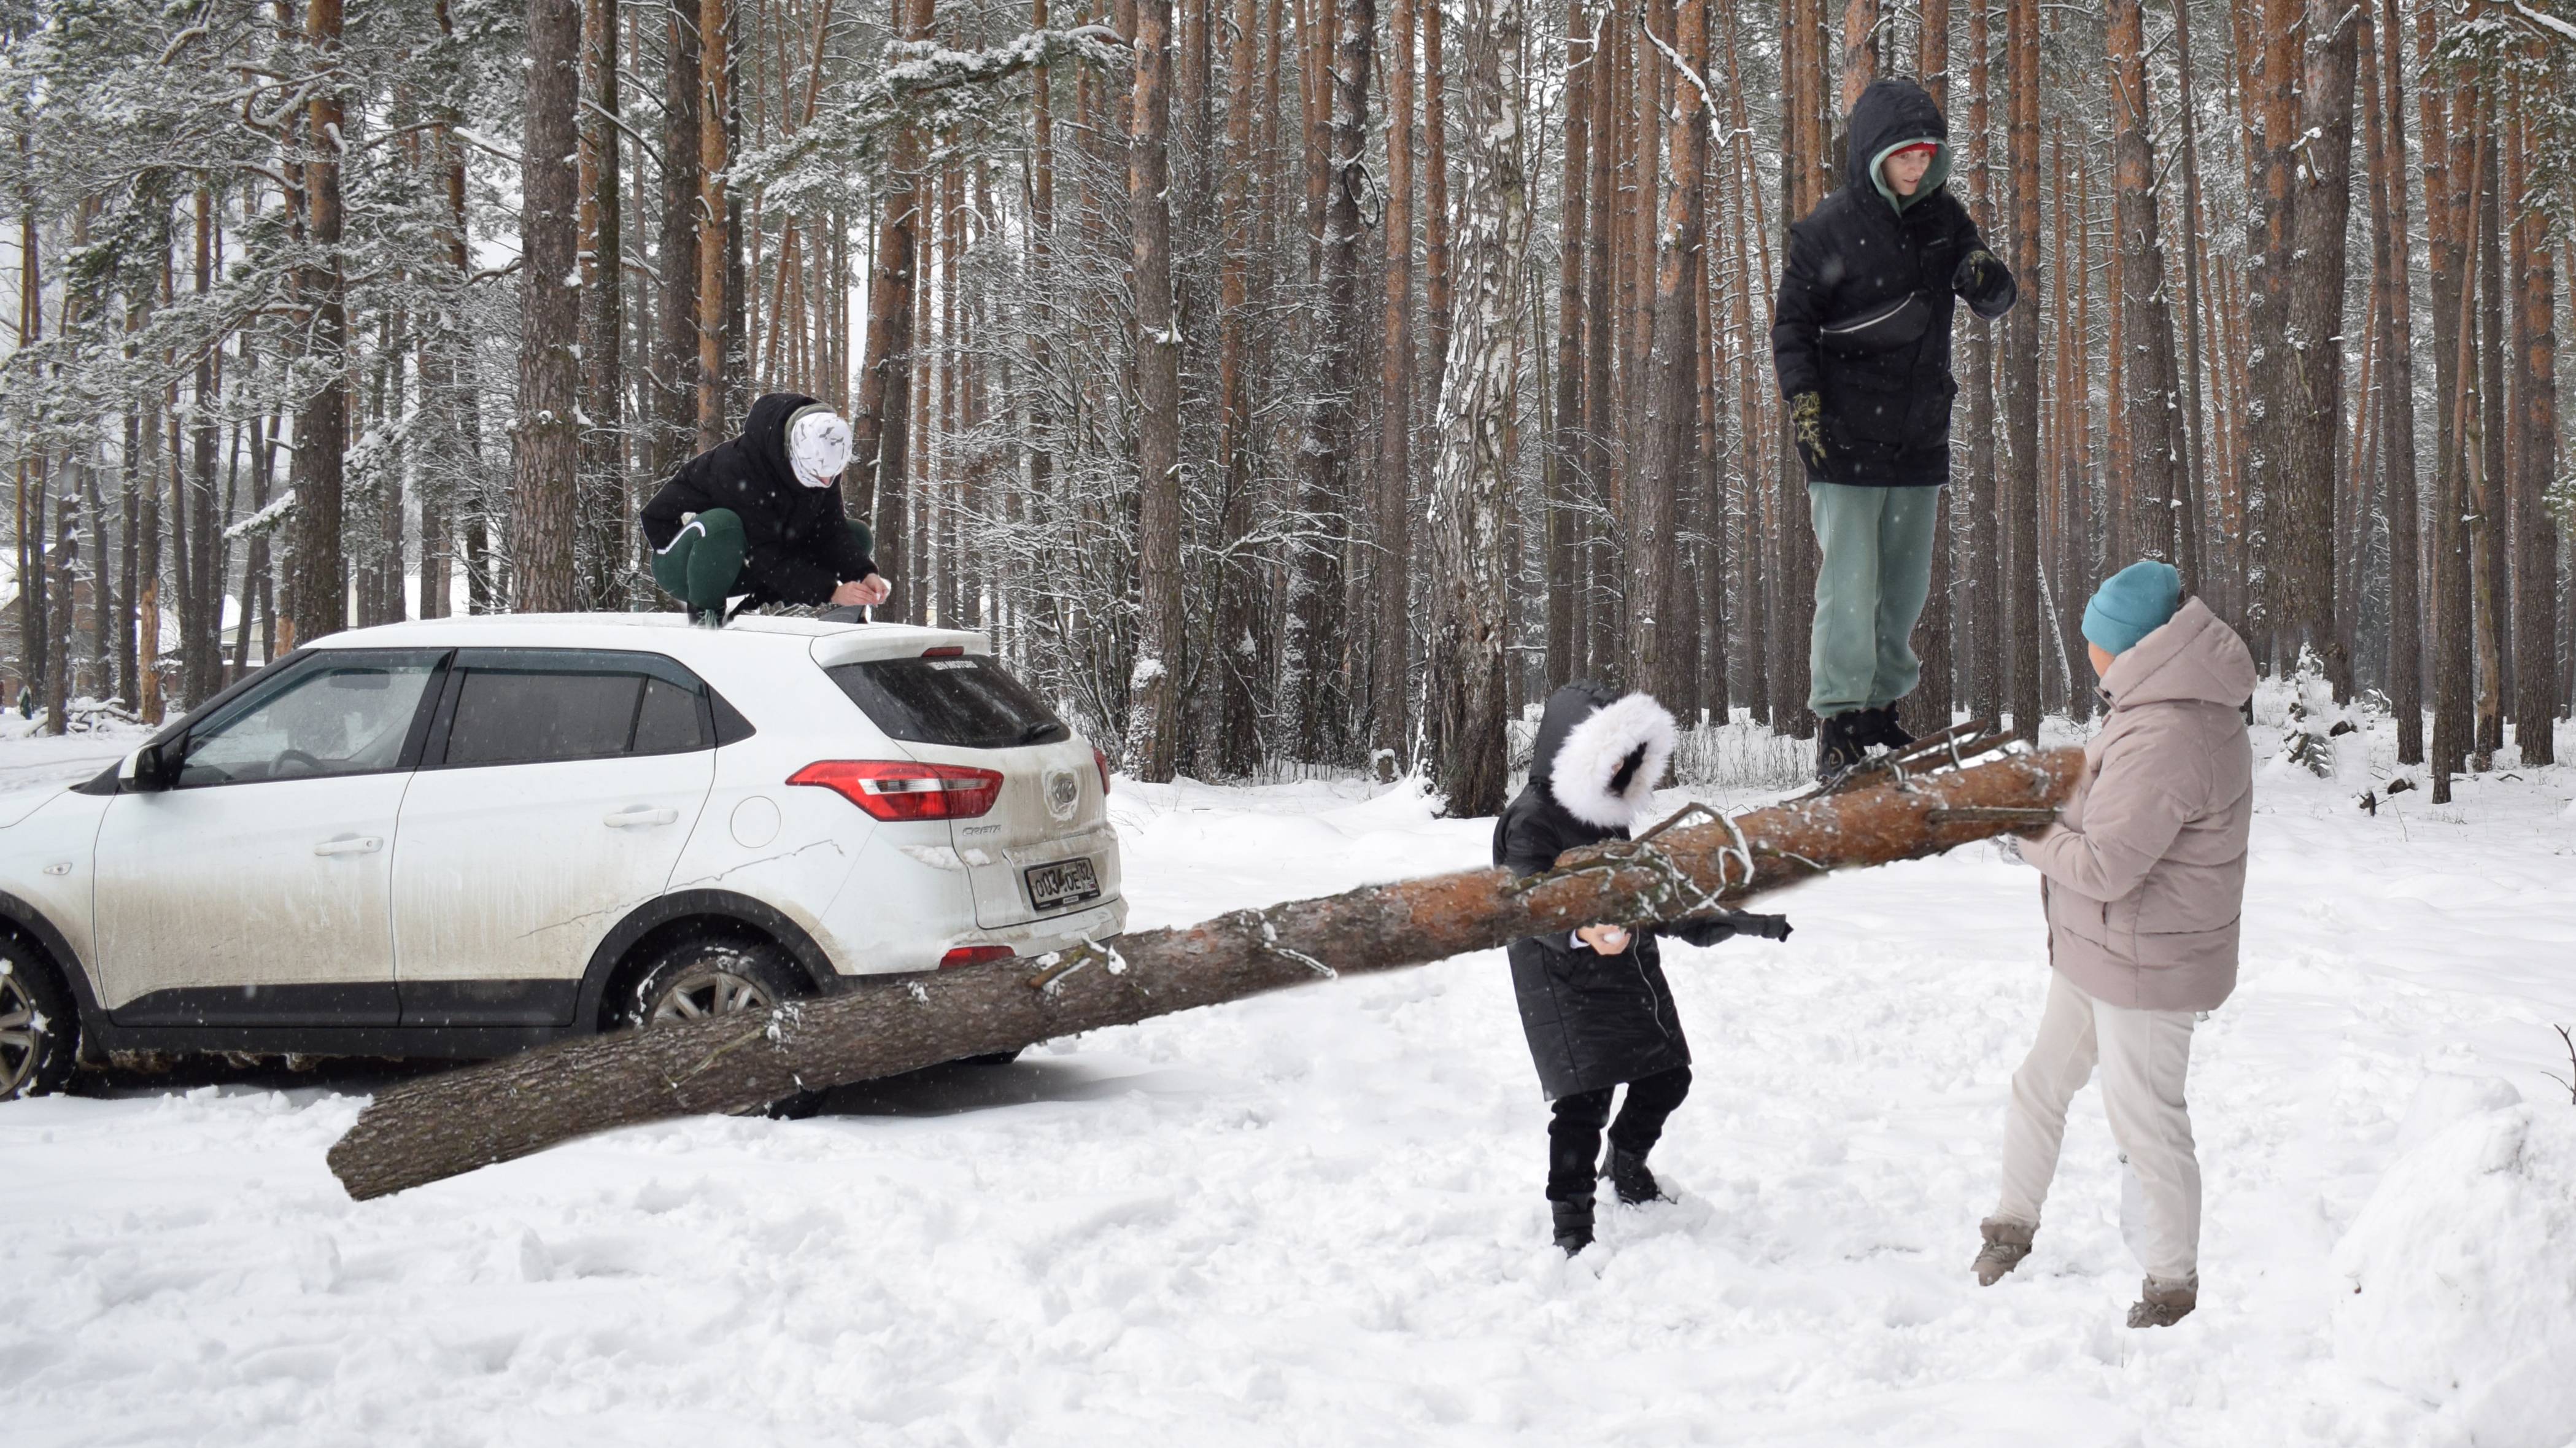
2143	884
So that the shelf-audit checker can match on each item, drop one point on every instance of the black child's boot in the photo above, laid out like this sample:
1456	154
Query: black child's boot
1630	1179
1881	727
1573	1224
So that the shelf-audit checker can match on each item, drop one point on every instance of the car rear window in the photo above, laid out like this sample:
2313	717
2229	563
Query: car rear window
965	700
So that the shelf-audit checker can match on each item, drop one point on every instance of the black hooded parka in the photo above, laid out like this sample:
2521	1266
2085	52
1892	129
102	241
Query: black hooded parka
797	547
1866	301
1592	1020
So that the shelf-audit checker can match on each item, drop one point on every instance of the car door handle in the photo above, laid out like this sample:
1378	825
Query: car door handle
351	845
639	816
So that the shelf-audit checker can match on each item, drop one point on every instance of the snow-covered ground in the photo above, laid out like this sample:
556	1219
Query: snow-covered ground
1315	1218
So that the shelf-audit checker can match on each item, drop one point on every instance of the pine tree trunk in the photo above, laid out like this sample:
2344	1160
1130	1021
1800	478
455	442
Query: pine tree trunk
2304	511
674	369
2146	465
2486	478
2403	676
2021	371
2535	534
608	504
1981	611
1154	686
715	216
317	587
1570	446
1233	655
1655	647
1390	567
1330	425
1470	622
547	445
430	1129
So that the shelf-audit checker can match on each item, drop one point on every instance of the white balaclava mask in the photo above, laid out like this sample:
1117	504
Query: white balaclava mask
818	446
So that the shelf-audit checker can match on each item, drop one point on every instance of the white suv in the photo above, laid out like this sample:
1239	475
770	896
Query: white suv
463	837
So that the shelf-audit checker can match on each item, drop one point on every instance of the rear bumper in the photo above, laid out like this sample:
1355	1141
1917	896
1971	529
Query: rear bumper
1037	937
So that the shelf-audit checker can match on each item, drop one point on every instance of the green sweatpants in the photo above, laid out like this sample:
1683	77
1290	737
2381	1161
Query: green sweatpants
704	563
1870	588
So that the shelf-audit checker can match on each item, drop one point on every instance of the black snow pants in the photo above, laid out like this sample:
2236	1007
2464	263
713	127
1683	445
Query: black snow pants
1574	1135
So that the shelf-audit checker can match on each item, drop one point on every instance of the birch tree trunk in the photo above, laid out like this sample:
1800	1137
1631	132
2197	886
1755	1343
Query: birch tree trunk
1478	396
437	1127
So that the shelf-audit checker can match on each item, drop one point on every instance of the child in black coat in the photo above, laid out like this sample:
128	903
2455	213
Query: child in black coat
1593	1002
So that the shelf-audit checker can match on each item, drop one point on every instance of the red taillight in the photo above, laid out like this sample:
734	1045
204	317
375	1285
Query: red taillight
1101	758
949	651
906	791
965	955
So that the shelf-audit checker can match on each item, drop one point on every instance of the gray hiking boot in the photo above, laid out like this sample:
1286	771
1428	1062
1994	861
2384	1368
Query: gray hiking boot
2007	1242
2162	1304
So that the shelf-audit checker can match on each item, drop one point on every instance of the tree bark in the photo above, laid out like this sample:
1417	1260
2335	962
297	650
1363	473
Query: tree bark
1655	649
675	364
2021	372
1570	447
1470	623
318	584
715	217
1981	600
1234	656
1154	685
2305	509
430	1129
2148	486
2403	675
547	445
2535	533
609	509
1390	504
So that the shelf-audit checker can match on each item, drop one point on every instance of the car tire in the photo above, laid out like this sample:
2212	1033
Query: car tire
708	977
39	1025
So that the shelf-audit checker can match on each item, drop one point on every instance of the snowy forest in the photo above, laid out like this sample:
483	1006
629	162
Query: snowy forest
1285	383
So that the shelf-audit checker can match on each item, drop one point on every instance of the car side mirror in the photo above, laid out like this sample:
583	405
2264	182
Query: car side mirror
150	769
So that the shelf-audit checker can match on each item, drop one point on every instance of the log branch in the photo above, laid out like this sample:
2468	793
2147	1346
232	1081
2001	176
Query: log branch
427	1130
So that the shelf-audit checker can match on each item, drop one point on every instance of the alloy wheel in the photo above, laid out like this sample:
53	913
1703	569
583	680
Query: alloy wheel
708	992
21	1035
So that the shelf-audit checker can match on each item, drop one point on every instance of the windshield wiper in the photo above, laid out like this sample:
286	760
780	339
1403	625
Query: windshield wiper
1036	733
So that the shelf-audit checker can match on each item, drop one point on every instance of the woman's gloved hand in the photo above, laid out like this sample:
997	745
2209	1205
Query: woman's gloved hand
1807	427
1765	927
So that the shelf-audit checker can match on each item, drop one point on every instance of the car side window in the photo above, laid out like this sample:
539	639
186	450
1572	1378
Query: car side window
330	716
556	708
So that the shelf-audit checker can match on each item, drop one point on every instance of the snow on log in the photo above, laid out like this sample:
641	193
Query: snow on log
436	1127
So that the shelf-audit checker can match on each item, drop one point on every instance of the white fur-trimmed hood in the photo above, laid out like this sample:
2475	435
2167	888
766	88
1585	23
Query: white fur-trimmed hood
1594	749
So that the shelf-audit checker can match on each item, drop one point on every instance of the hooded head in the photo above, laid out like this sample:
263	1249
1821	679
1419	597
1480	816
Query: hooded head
1600	754
764	432
1891	115
818	445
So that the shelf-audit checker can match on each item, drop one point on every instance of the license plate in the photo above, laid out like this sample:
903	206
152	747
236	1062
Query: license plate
1065	882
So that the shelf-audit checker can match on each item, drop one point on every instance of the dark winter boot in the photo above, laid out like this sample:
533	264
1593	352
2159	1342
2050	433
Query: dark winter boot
2162	1304
1630	1179
706	618
1838	745
1573	1225
1879	726
2006	1244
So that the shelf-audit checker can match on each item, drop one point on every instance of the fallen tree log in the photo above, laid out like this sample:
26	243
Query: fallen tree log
436	1127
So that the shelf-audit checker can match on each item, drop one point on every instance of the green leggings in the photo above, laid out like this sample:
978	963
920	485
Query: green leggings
704	562
1870	588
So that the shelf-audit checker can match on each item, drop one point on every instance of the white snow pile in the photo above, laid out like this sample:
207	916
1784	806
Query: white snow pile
2462	1268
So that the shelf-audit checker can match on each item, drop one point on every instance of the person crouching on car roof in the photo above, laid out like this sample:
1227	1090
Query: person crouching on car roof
760	514
1593	1002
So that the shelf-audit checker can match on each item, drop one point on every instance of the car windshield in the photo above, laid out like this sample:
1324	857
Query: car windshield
963	700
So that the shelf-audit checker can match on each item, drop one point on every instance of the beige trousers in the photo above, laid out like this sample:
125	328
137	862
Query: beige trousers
2144	1056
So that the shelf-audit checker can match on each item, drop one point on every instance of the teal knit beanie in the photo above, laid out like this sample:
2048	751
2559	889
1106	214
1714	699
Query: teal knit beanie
2131	604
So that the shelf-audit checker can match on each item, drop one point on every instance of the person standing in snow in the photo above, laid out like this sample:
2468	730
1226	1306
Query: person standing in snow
1593	1002
2143	883
1860	337
760	514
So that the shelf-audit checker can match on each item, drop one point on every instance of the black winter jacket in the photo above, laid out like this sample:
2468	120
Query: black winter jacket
1866	300
796	546
1593	1020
